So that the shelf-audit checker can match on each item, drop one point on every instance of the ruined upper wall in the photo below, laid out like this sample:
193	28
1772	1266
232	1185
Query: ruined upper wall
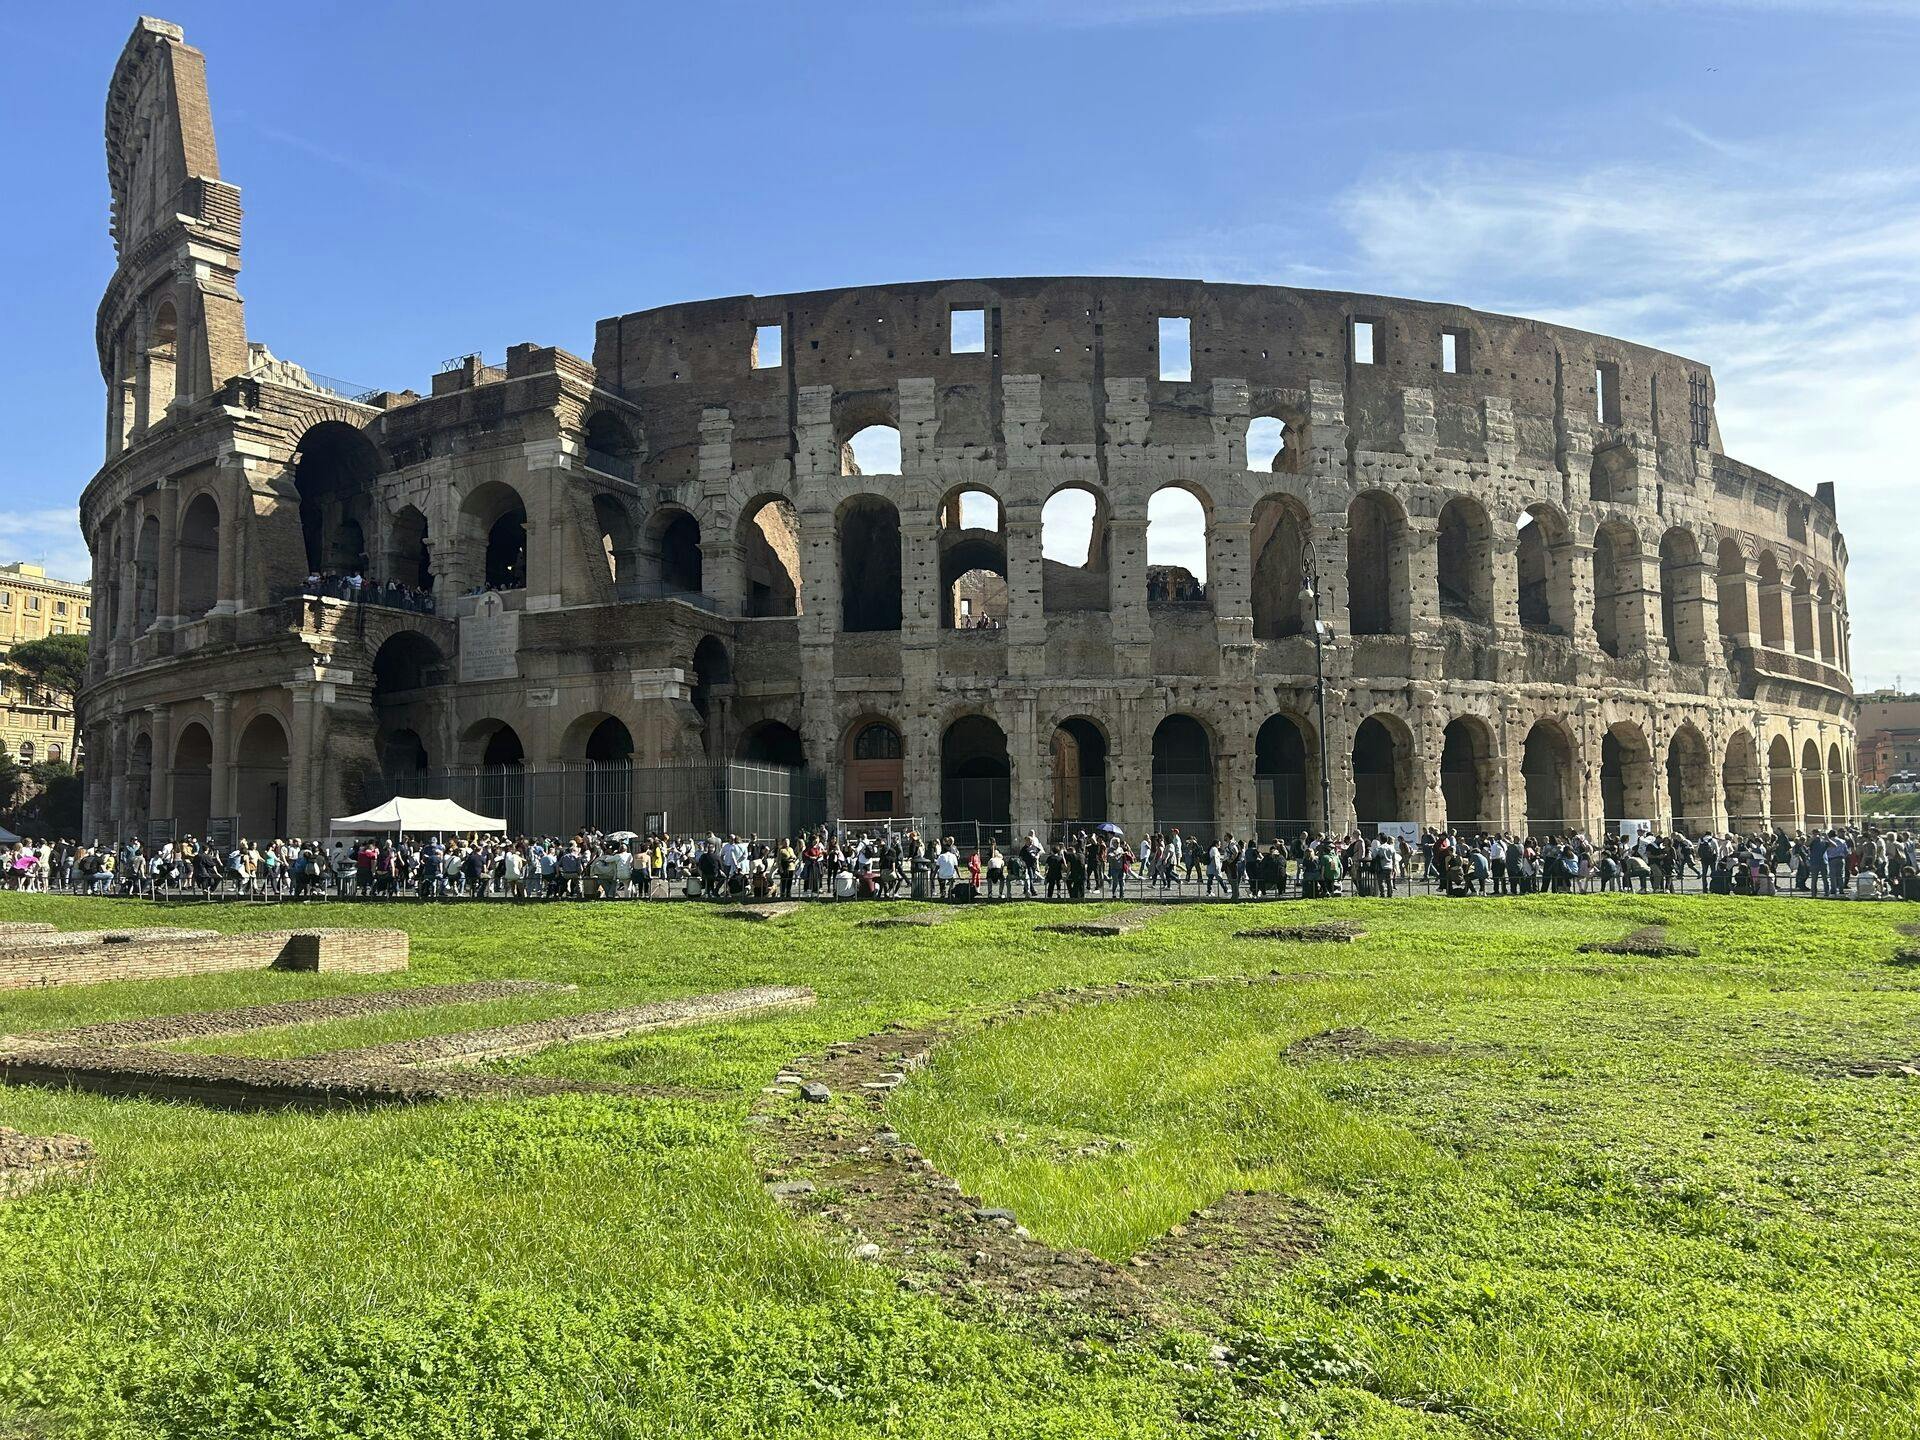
1079	334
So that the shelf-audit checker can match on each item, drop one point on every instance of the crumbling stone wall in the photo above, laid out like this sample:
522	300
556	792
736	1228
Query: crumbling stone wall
90	957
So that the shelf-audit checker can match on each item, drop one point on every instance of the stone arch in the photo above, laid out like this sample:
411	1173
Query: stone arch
1176	561
1552	779
1282	538
494	518
867	528
335	468
875	449
1773	623
162	361
1731	585
1741	784
1183	777
1069	583
1626	776
873	768
710	691
1466	561
675	535
1683	615
495	749
612	447
1544	561
619	537
768	536
1379	588
192	779
1802	586
1813	789
1839	807
1383	781
146	575
1689	782
772	742
1828	636
1077	755
1266	444
1616	587
1467	773
973	558
1284	803
976	780
1783	788
261	763
198	561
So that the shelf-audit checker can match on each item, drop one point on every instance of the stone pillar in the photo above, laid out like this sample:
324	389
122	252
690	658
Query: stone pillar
160	782
1504	561
1423	575
301	781
1577	557
167	599
1640	622
1026	609
1748	580
1127	589
117	790
237	560
1230	578
220	799
1233	769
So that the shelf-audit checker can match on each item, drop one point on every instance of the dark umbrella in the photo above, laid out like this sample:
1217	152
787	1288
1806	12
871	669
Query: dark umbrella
1107	827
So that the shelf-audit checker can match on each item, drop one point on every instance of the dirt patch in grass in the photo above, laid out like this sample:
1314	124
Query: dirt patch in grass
1897	1069
1317	932
918	919
1105	927
1905	959
773	910
841	1165
1356	1042
29	1160
1649	942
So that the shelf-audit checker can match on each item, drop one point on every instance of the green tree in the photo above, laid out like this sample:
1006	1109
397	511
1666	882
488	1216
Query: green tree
56	662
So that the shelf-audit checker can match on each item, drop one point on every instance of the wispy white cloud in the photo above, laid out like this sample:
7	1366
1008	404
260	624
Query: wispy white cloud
49	537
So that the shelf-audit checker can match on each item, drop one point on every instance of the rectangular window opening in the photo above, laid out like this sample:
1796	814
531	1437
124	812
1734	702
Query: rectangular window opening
879	802
765	354
1366	342
1453	352
967	332
1698	411
1606	393
1176	347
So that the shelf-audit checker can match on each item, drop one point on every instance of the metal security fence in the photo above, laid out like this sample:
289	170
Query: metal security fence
738	797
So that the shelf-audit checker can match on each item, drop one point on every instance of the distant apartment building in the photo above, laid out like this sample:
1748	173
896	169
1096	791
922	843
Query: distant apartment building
34	724
1889	736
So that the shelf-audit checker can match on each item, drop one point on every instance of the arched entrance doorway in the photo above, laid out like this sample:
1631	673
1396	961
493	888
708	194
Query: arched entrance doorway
976	781
1552	785
1078	758
1466	758
260	780
1626	777
1183	779
1379	756
874	787
1281	791
193	781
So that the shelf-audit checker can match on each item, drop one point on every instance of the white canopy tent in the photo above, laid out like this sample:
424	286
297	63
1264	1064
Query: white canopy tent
410	815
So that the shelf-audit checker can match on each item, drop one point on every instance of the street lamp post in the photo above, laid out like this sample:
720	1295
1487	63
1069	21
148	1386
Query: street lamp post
1322	632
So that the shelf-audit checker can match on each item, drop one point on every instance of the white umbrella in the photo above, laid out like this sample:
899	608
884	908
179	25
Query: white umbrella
416	816
621	835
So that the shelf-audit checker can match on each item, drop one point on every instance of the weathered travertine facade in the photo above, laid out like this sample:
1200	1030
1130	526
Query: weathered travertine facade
1554	599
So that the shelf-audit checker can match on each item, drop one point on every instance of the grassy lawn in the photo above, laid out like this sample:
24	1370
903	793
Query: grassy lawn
1599	1197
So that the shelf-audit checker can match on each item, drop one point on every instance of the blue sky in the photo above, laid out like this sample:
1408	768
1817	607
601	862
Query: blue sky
1739	181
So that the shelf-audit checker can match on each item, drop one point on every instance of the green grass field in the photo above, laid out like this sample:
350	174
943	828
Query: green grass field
1609	1197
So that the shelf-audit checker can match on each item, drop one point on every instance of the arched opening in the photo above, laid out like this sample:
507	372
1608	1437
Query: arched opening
606	784
1802	612
619	539
712	689
1683	621
406	669
146	576
1074	562
1466	762
1783	794
973	560
869	535
611	447
769	542
1829	630
1466	562
409	561
405	762
1377	584
773	742
1616	588
1839	800
1731	588
1813	787
1183	778
1773	625
500	790
872	450
197	584
875	771
1740	781
680	567
334	473
1552	783
1689	783
260	779
976	781
1177	548
1378	760
1266	444
1546	577
1626	777
1281	790
163	361
1078	757
139	780
1282	531
506	563
193	780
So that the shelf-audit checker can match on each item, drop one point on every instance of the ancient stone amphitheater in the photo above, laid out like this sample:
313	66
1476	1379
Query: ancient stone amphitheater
662	586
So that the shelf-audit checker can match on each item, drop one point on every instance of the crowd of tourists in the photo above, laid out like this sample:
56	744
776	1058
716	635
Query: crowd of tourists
1840	863
355	586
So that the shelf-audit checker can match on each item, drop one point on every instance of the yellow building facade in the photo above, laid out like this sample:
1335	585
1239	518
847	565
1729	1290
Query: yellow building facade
37	726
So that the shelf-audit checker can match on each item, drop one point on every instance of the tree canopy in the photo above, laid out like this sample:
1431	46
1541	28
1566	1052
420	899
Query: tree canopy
55	662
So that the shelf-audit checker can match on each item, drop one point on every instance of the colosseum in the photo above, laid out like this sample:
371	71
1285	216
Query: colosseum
673	584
